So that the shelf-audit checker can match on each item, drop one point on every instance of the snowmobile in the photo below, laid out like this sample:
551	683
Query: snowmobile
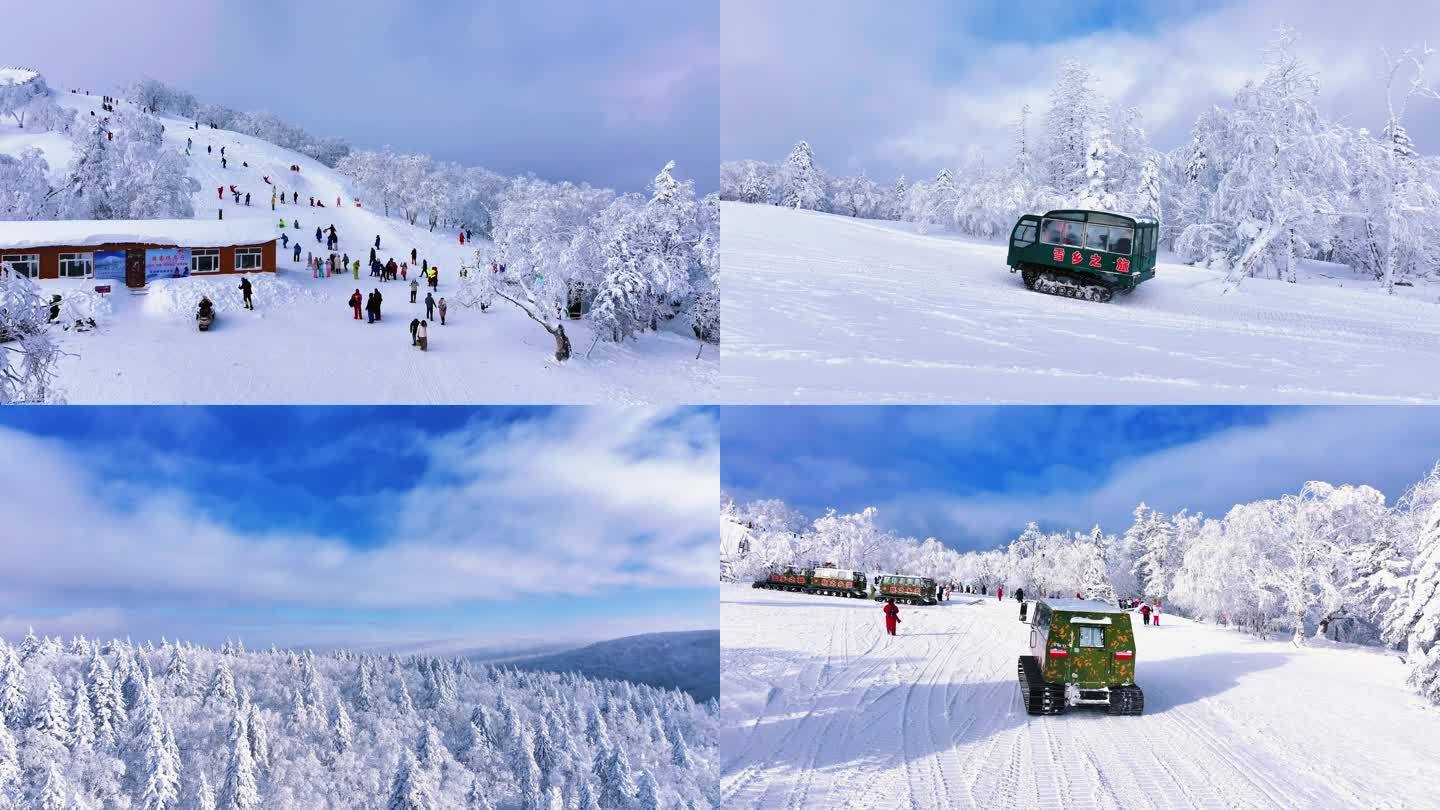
1088	255
1082	653
205	315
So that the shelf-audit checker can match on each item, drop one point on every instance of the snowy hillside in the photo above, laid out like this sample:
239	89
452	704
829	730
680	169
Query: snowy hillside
824	308
688	661
108	724
820	709
305	346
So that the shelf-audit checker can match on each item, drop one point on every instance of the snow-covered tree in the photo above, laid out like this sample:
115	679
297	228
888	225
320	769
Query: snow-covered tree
801	183
409	789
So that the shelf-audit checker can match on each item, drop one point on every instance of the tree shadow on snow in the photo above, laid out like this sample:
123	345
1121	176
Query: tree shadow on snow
1172	682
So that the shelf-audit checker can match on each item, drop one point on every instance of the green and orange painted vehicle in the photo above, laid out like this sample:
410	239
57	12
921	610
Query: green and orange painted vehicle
824	581
1090	255
1082	652
905	588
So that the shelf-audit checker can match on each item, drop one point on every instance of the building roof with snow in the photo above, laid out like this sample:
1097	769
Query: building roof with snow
10	75
166	232
1083	606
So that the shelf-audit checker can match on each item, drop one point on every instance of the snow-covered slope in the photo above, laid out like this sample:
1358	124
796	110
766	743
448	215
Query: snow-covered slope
688	661
311	350
822	308
820	709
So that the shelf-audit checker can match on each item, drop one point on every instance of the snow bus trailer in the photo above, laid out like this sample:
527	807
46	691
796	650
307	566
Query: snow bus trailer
908	589
1088	255
1082	653
822	581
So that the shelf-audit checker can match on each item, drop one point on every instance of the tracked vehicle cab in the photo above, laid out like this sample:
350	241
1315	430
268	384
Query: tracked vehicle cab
1081	652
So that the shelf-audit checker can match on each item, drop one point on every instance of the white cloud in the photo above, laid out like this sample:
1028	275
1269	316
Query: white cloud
587	500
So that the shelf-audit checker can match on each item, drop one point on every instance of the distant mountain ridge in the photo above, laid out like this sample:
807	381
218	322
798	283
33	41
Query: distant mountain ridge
687	660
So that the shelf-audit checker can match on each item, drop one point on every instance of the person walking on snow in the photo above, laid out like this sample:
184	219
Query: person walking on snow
1155	619
441	306
892	615
245	292
414	325
355	302
413	257
378	298
224	164
414	287
429	306
297	250
1145	613
377	241
1019	594
357	269
1000	593
220	193
247	198
317	235
462	237
422	336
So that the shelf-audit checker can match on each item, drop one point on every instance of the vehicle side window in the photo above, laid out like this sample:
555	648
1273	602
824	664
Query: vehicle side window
1097	237
1051	230
1024	234
1121	240
1073	235
1092	636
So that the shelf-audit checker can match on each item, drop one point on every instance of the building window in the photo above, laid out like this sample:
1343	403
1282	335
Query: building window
77	265
247	259
23	264
204	261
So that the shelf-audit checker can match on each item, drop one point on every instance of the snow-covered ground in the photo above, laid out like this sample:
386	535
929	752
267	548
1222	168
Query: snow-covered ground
822	308
820	709
310	350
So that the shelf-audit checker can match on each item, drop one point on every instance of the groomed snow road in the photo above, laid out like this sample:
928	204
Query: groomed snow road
821	308
820	709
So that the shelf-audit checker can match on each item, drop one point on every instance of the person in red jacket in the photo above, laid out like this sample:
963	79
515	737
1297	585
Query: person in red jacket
1000	593
1078	596
892	616
355	303
1145	613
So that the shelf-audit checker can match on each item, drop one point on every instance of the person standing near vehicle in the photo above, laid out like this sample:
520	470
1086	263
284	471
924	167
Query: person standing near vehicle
245	291
1020	594
892	615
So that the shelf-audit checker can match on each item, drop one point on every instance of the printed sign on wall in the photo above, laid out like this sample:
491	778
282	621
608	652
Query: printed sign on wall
110	264
168	263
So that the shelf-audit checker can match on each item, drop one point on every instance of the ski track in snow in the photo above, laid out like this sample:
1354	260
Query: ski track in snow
822	308
819	708
309	349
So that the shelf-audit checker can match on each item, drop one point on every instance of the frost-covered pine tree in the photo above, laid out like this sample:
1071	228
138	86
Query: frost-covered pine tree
204	797
648	797
1094	579
177	671
1421	616
1149	193
55	793
475	798
221	692
802	184
12	687
1099	192
82	722
1070	126
9	761
409	789
1154	536
239	790
344	732
50	715
617	781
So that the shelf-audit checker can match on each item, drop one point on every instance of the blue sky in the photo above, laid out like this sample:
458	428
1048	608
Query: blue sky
604	93
915	86
434	528
973	476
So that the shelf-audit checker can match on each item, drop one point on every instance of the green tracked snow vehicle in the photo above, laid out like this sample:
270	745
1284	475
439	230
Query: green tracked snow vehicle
1082	653
1090	255
907	589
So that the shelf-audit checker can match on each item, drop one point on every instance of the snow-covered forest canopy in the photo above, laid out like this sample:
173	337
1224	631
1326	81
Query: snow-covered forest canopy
91	724
1331	561
1261	183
